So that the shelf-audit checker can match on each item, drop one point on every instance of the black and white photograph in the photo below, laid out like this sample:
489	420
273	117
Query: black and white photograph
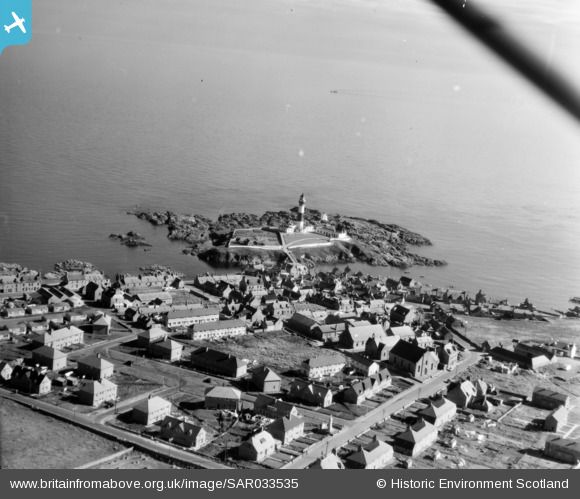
290	234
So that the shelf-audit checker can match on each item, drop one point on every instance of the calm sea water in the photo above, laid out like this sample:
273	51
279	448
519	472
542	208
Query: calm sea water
218	106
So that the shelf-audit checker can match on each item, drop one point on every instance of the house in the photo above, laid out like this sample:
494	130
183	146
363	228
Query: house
379	349
94	291
549	399
355	336
151	410
302	323
183	432
462	394
219	329
363	365
37	309
416	361
39	326
5	371
280	309
75	316
266	380
328	332
311	393
146	338
209	360
20	283
50	357
439	412
286	429
367	387
30	381
372	456
11	313
416	439
96	392
183	318
223	397
562	349
59	338
489	345
402	315
405	333
563	449
76	280
504	355
95	367
531	349
449	355
423	340
16	329
330	462
258	447
167	349
556	419
321	366
102	325
56	308
273	408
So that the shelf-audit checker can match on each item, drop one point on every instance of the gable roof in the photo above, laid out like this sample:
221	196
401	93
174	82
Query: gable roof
48	352
95	362
416	433
370	452
545	392
212	326
408	351
224	392
94	387
260	441
438	408
286	423
152	404
176	425
263	374
324	360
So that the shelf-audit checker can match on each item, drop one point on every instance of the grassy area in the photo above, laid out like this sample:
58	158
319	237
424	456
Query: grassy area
279	350
135	461
479	329
31	440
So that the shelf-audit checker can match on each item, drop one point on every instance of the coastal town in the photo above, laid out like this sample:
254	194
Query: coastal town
284	366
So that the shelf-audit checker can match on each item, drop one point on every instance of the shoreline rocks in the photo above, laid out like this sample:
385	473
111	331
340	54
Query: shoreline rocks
373	242
131	239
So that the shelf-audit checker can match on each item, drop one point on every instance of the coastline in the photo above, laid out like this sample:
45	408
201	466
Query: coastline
370	241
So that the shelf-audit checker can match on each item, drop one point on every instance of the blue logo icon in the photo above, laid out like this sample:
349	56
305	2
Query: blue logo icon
15	17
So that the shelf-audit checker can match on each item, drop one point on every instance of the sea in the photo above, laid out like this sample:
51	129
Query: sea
383	110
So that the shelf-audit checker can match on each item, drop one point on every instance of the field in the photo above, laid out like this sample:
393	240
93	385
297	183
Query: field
134	461
479	329
281	351
31	440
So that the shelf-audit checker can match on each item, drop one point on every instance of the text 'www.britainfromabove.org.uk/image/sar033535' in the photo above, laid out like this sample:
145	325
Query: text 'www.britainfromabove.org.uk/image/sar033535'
15	22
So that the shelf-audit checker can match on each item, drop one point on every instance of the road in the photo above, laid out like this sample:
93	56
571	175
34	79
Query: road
380	413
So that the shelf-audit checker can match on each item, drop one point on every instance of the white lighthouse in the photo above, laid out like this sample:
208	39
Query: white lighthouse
301	205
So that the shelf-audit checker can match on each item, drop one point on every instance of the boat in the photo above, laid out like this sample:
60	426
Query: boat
576	299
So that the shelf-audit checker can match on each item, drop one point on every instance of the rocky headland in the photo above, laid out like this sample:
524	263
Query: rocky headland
373	242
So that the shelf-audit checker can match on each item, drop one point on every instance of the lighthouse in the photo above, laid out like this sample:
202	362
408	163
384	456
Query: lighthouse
301	205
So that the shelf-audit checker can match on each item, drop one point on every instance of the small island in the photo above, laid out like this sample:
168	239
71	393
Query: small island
303	235
131	239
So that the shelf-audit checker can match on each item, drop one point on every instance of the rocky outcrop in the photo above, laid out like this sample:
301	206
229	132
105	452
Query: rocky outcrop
373	242
131	239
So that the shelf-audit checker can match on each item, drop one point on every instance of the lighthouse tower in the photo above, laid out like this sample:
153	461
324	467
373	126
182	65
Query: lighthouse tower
301	205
